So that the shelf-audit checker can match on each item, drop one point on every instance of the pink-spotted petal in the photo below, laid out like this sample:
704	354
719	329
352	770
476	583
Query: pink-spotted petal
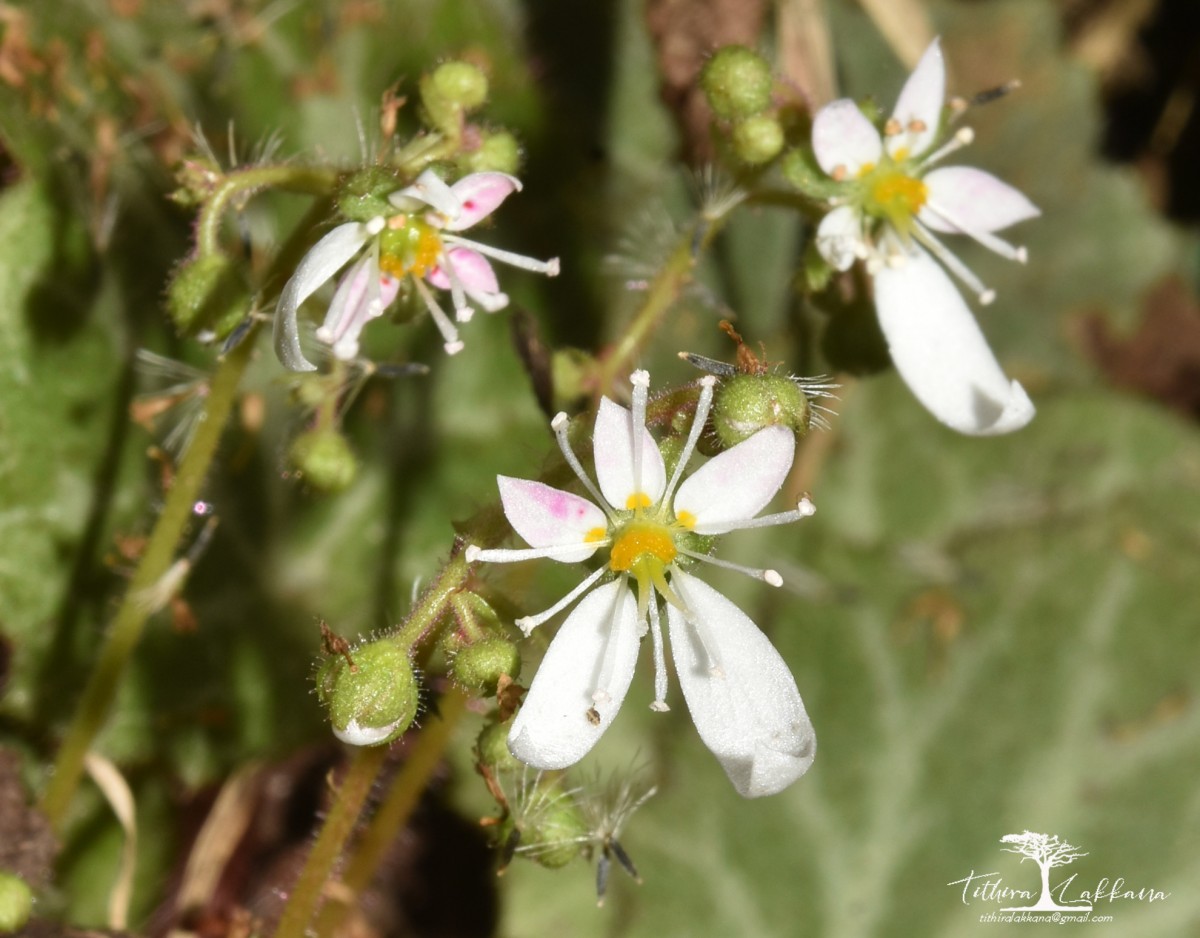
549	517
940	352
581	681
480	194
962	199
742	697
472	269
919	109
737	484
613	447
844	141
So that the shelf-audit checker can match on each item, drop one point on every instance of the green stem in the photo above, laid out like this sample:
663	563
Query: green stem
243	183
126	630
396	809
135	609
339	823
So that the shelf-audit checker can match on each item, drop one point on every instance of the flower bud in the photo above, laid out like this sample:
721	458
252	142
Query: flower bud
207	293
758	139
363	195
372	697
324	460
746	404
499	152
551	827
491	748
478	666
16	903
737	82
450	91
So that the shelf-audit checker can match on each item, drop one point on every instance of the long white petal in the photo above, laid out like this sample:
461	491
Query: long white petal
737	484
613	442
323	260
919	108
547	517
844	141
940	352
581	682
740	692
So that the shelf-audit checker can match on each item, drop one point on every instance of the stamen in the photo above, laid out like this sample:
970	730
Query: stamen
990	241
452	344
458	296
953	264
528	623
703	406
964	136
375	225
559	426
550	268
660	666
767	576
474	553
804	509
641	390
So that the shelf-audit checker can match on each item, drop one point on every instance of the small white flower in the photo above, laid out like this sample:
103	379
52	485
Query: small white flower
890	212
420	241
740	693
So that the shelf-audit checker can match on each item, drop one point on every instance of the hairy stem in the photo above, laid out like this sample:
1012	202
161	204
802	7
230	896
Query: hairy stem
241	184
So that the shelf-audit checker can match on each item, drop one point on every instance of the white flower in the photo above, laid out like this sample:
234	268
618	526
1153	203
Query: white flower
890	212
740	693
420	240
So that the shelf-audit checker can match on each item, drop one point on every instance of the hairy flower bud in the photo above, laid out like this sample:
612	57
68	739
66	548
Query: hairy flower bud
478	666
498	152
363	195
324	459
371	693
207	293
737	82
452	90
758	139
545	824
746	404
491	748
16	902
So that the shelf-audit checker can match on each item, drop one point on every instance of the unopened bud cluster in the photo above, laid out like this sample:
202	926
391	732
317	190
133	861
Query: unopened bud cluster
738	84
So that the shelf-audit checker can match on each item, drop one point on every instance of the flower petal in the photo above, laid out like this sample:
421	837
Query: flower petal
736	485
322	261
480	194
840	237
963	199
472	269
843	137
549	517
430	189
595	650
740	692
919	109
613	442
940	352
362	295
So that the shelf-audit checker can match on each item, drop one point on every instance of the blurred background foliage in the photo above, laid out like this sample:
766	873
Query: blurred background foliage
990	635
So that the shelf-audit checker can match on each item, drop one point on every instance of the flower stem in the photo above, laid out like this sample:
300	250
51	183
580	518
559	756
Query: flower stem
243	183
126	631
339	823
396	809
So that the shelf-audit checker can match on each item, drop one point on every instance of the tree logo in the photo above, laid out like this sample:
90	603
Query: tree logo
1047	851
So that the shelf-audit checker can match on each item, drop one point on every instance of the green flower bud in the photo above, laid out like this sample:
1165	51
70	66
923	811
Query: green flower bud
498	153
207	293
758	139
363	195
324	459
16	902
551	827
737	82
450	91
478	666
198	178
491	748
746	404
373	700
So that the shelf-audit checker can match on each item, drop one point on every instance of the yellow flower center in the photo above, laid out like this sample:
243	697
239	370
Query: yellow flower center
895	194
408	246
642	540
